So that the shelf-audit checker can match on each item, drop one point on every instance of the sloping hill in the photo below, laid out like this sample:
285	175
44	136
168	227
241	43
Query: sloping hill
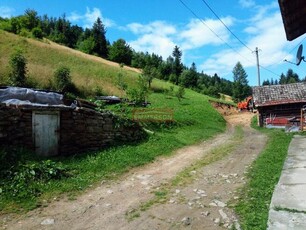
194	113
195	118
44	57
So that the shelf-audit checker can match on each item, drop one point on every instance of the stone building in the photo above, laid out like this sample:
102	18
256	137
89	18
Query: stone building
43	122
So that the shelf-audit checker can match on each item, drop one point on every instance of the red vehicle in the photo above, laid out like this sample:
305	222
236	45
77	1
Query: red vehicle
247	104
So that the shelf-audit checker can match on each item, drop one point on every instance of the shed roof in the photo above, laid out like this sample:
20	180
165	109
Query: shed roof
279	94
293	14
30	98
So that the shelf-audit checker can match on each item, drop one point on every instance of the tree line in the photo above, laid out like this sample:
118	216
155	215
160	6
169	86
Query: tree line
288	78
93	41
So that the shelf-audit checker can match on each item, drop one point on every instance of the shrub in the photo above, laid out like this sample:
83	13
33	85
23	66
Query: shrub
139	95
19	69
25	33
180	93
23	177
37	33
87	46
120	82
62	80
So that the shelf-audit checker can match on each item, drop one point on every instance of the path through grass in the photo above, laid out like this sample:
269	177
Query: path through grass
263	175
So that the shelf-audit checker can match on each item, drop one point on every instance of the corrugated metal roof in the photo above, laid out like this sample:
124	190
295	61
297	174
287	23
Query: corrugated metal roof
279	94
293	14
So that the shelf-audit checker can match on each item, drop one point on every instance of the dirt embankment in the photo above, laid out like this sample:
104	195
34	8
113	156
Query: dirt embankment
201	204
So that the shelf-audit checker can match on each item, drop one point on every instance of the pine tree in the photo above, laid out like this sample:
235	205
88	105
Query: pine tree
98	33
177	67
241	89
282	79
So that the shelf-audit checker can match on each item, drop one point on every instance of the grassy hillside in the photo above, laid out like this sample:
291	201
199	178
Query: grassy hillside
44	57
195	120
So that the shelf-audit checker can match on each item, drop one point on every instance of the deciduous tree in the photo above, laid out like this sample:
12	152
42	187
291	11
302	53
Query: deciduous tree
121	52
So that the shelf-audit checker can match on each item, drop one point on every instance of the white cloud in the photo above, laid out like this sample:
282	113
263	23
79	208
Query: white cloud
160	37
156	27
156	37
6	12
246	3
152	43
89	18
262	11
75	17
198	33
266	32
264	29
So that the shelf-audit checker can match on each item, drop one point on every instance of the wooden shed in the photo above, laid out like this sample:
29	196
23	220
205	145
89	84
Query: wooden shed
280	104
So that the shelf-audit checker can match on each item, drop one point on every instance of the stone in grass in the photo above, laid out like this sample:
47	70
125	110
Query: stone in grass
186	221
48	221
223	215
219	203
217	221
205	213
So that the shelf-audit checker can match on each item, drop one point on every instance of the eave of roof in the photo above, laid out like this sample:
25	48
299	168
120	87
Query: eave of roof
279	94
281	102
293	14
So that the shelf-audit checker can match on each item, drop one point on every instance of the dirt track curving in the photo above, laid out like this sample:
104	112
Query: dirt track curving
202	204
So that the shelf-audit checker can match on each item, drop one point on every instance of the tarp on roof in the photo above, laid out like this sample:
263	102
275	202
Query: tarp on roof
279	94
25	96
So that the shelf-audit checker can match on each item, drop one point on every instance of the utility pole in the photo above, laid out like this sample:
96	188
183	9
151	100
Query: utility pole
258	71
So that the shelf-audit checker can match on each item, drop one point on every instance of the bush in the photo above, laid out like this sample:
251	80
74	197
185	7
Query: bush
139	95
37	33
19	70
180	93
62	80
87	46
25	33
23	177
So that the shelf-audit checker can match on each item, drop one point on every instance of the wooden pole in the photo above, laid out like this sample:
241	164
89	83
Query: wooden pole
301	121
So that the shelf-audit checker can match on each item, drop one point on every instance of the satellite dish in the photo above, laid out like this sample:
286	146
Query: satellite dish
299	57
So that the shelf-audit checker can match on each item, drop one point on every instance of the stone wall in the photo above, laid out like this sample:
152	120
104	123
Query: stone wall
83	130
15	127
80	129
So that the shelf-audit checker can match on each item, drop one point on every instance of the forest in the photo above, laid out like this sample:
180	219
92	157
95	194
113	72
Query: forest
94	41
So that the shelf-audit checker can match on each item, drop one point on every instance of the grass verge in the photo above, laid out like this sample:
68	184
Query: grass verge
253	205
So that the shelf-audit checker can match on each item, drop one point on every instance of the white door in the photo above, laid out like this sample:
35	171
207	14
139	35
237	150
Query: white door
46	132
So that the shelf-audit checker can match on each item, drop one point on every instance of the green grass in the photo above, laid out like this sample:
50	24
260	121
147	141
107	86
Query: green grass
44	58
195	120
263	175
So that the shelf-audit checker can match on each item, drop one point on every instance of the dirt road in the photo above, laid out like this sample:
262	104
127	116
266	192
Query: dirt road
202	204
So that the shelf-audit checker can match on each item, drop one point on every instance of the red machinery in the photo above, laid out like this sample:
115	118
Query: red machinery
247	104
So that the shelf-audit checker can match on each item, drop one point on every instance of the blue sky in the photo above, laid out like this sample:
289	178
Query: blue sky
158	25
